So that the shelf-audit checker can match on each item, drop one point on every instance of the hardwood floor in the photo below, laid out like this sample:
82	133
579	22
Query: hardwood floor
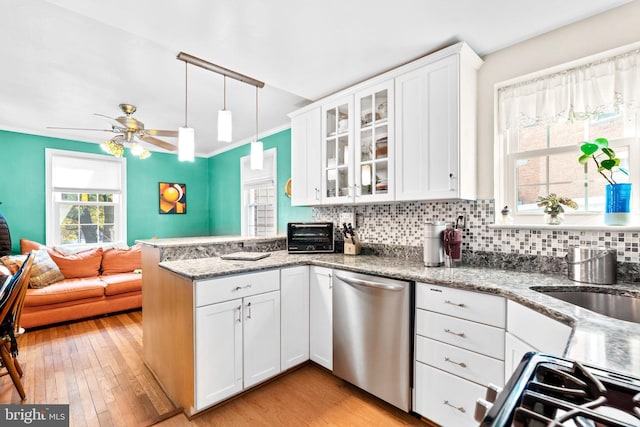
96	367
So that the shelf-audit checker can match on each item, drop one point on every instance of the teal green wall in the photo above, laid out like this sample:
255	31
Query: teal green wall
224	178
22	193
213	189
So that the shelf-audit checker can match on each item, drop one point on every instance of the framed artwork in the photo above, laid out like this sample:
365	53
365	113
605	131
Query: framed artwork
173	198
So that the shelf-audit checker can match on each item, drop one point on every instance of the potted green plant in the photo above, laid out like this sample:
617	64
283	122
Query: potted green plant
553	210
618	195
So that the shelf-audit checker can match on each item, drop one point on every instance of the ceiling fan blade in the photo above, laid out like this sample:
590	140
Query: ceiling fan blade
158	142
113	121
158	132
101	130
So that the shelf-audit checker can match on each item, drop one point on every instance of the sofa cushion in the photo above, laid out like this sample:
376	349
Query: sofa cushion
121	260
29	245
81	264
43	271
122	283
66	290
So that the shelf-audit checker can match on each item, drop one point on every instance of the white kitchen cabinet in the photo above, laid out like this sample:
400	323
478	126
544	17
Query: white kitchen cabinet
261	337
374	143
436	128
306	143
321	316
459	351
549	336
237	341
294	316
337	152
218	342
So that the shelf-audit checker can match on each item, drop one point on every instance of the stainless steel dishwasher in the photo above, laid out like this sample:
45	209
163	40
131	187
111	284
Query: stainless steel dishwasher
372	344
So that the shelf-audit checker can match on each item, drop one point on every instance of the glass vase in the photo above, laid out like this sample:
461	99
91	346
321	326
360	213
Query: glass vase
617	208
554	218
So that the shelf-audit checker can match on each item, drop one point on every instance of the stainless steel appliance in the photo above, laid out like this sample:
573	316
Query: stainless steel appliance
551	391
372	344
310	237
433	243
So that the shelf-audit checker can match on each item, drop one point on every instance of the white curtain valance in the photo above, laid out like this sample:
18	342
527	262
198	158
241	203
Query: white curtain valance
73	173
577	93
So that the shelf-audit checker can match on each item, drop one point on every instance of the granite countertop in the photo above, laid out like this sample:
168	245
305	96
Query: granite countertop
204	240
596	339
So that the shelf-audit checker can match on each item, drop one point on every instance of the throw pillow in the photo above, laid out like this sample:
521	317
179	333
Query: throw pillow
116	261
81	264
29	245
44	271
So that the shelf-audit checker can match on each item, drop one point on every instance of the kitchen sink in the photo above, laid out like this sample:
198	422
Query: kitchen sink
620	307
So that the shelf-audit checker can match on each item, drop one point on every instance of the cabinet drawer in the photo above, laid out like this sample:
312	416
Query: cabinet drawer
463	363
226	288
445	398
487	340
476	306
549	335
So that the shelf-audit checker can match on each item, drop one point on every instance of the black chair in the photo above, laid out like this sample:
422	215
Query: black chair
11	302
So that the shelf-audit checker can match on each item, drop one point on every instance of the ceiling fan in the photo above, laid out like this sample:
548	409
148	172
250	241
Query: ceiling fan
129	132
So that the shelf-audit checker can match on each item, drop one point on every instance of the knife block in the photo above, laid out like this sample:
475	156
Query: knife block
351	248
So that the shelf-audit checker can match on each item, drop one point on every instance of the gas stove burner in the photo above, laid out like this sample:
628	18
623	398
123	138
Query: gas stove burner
553	392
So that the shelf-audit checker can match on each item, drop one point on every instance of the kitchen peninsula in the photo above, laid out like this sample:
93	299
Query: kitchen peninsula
174	290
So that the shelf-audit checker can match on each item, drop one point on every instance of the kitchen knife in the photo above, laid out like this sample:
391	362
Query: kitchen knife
353	234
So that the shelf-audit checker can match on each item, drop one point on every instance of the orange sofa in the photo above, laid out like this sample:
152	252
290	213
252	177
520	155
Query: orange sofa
95	282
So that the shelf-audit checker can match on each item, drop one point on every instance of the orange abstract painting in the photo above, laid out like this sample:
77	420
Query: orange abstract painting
173	198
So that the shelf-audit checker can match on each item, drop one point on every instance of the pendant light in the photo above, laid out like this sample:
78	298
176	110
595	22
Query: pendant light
224	119
256	146
186	135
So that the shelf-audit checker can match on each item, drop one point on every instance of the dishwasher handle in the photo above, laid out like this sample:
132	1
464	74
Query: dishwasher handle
369	284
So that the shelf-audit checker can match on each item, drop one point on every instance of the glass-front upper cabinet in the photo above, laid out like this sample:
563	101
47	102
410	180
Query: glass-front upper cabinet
337	152
374	142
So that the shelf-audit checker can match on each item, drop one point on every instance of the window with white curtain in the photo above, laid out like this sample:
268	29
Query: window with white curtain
259	197
542	121
86	196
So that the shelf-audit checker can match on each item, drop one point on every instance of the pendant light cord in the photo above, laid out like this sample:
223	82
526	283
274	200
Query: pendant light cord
224	96
186	94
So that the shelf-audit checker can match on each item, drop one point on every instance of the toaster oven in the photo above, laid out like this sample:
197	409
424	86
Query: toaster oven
310	237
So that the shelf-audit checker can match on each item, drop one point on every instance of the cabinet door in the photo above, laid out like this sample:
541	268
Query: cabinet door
427	130
374	143
261	314
321	316
294	321
337	152
306	147
514	349
218	342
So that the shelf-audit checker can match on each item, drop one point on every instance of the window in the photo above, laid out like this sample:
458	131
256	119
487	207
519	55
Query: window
541	123
86	198
259	201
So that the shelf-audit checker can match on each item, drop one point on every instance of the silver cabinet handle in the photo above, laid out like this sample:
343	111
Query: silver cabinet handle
453	303
461	364
239	319
369	284
249	310
317	193
239	288
330	281
459	408
449	331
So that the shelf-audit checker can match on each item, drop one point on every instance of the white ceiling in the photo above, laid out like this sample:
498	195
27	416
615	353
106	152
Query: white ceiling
63	60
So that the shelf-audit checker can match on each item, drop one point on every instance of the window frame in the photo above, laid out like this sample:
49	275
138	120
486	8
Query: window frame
252	179
505	190
53	226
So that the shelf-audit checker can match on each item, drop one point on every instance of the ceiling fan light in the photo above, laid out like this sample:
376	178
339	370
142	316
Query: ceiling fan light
145	154
105	147
224	125
136	149
256	156
186	144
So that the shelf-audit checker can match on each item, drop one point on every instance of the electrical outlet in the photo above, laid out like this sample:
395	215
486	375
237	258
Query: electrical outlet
461	219
347	218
